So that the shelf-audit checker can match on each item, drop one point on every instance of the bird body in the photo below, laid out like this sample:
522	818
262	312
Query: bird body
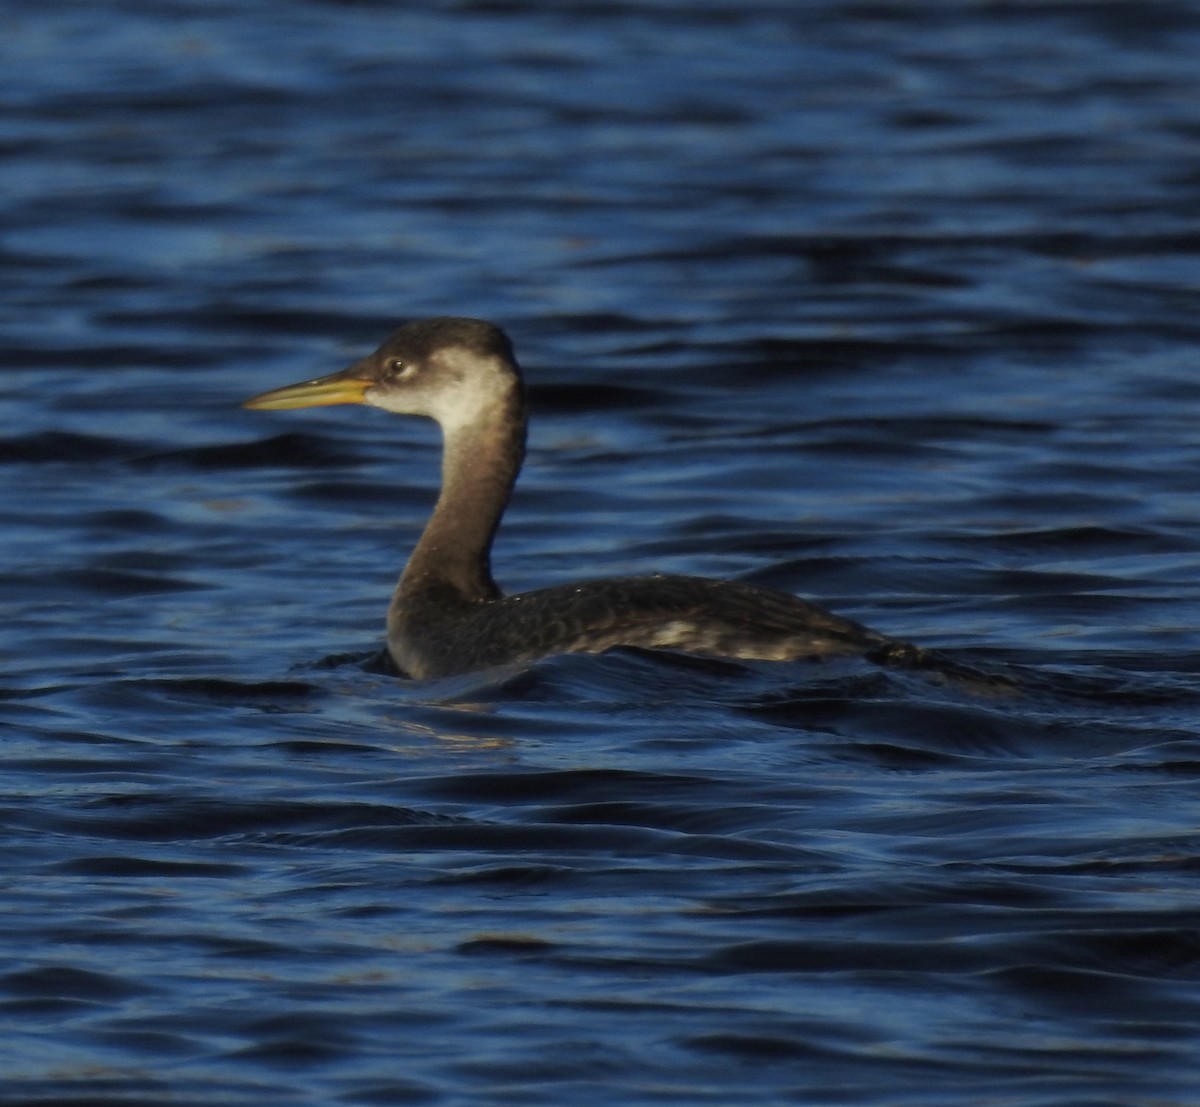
435	633
447	615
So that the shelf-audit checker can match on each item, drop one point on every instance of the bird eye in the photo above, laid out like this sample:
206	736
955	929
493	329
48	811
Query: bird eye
398	367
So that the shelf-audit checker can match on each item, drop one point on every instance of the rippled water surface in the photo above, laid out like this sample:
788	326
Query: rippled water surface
894	305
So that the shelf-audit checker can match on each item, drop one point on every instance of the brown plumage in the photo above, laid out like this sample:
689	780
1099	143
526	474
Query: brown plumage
447	616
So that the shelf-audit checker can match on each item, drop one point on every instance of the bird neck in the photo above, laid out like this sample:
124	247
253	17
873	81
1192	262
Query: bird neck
480	462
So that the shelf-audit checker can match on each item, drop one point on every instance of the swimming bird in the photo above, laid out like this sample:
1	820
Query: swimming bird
447	616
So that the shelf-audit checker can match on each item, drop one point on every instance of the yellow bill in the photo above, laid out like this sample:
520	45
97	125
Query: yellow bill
335	389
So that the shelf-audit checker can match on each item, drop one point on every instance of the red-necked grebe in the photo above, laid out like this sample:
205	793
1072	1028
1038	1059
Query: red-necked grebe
447	616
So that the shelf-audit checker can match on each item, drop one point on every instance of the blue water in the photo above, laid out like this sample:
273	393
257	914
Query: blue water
896	306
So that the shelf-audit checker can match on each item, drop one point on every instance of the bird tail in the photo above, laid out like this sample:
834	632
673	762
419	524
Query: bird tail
907	657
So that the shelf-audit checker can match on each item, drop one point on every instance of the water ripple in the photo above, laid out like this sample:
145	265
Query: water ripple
888	305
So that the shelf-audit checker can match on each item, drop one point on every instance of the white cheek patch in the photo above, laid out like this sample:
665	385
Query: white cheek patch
402	402
465	405
455	387
472	393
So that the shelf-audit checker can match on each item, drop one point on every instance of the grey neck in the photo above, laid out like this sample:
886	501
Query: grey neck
480	463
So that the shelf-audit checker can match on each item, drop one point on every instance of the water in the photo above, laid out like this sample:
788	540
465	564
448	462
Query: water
892	305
